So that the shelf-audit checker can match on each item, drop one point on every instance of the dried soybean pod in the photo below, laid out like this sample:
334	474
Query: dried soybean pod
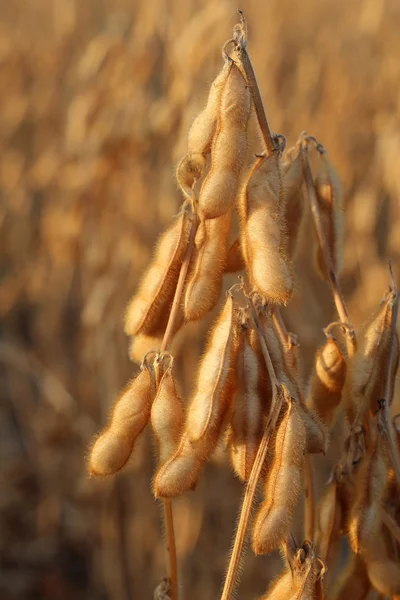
281	588
167	415
263	232
114	445
275	515
365	514
148	310
353	582
327	380
330	203
205	279
365	385
182	470
235	261
316	431
228	152
212	395
141	344
202	131
247	426
294	203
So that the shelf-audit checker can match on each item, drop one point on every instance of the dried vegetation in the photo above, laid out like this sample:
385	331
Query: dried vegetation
98	104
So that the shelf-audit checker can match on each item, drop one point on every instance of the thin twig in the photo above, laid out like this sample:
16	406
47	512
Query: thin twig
251	487
337	296
170	545
244	64
309	508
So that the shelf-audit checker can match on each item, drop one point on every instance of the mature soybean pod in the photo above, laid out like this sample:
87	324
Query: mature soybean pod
274	518
229	146
212	395
148	310
263	232
316	431
365	514
114	445
182	470
365	383
329	524
167	416
205	279
202	131
294	203
327	380
330	203
247	423
383	572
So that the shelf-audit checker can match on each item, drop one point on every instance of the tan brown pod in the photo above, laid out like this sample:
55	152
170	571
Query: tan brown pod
365	383
274	518
113	447
263	232
204	285
167	415
204	126
316	431
148	310
365	515
247	421
330	204
327	380
294	205
213	391
228	152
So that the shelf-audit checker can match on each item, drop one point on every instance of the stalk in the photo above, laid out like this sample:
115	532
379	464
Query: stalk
337	295
170	545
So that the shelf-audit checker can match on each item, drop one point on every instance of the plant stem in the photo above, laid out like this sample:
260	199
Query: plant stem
248	499
251	487
170	546
309	511
247	70
337	296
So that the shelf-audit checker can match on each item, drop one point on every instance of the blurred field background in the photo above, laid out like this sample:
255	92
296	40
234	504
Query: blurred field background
96	99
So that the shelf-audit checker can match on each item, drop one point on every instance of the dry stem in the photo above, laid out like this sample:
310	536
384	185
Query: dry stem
309	509
170	545
251	487
337	296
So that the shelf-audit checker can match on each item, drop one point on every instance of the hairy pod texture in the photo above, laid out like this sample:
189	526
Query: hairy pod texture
330	523
330	203
294	203
302	580
263	232
316	431
114	445
229	146
327	380
283	486
167	416
213	391
209	259
148	311
365	515
202	131
206	413
247	422
366	380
